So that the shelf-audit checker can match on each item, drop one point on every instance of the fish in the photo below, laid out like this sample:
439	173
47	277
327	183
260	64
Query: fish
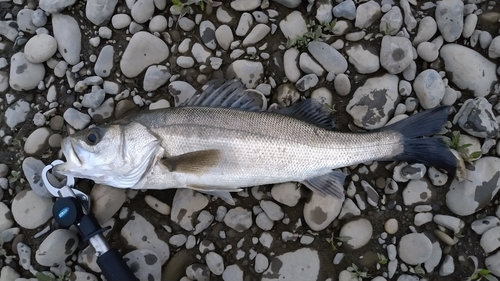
222	141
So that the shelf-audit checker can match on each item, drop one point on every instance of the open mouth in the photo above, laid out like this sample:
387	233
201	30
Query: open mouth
70	152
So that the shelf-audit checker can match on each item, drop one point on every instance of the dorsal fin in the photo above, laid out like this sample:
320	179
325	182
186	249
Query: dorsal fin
312	111
231	94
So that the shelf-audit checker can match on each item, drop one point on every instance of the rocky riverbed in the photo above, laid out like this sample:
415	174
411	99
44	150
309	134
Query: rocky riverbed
67	65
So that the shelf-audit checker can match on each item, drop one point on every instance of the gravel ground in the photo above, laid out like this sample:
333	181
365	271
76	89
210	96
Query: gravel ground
67	65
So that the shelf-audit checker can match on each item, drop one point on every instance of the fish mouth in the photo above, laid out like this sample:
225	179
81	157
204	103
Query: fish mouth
70	152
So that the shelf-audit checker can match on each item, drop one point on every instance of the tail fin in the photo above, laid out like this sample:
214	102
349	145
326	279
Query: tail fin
417	148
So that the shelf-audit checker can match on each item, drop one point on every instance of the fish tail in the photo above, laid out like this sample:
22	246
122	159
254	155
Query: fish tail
431	151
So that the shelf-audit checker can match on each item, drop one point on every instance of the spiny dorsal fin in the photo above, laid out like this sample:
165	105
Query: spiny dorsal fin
231	94
312	111
331	184
196	162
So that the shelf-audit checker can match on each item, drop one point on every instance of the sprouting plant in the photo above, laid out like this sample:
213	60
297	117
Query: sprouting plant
454	143
315	32
181	8
341	239
356	272
419	270
382	259
15	176
480	273
63	277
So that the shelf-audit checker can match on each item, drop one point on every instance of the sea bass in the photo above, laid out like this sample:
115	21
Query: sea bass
220	141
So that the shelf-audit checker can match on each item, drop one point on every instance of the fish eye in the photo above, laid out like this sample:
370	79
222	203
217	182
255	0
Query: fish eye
93	136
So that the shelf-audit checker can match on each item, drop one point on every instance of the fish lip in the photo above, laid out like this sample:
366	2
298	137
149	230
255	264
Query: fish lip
70	152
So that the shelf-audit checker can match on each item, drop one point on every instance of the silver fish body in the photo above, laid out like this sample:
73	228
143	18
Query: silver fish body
225	149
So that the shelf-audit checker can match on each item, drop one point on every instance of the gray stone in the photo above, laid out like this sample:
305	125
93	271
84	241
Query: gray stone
494	49
207	34
485	39
30	210
198	272
68	36
140	233
452	223
286	193
415	248
293	26
106	201
480	226
418	192
142	10
245	5
145	264
181	91
360	232
24	21
450	19
37	141
104	62
342	84
224	36
120	21
302	264
40	48
345	9
493	263
250	72
6	219
76	119
477	190
429	88
272	210
264	222
238	219
158	24
100	11
396	54
143	50
476	117
50	252
290	64
215	263
155	77
186	205
258	33
39	18
288	3
95	98
428	51
261	263
321	210
328	57
244	24
490	240
55	6
367	14
391	22
104	111
427	27
469	69
24	75
372	103
17	113
364	60
469	25
410	21
307	82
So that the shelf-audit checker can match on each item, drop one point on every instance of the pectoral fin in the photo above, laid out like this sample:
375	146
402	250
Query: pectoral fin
331	184
196	162
224	195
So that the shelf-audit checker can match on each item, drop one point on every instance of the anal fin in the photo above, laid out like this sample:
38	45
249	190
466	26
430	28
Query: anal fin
223	195
330	184
196	162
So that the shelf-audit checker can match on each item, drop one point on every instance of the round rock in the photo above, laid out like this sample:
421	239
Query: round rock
360	232
238	219
186	205
429	88
56	248
68	36
477	190
37	141
450	19
24	75
415	248
215	263
143	50
30	210
250	72
321	210
40	48
396	54
145	264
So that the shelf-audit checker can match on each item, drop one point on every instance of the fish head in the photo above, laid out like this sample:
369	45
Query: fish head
118	155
